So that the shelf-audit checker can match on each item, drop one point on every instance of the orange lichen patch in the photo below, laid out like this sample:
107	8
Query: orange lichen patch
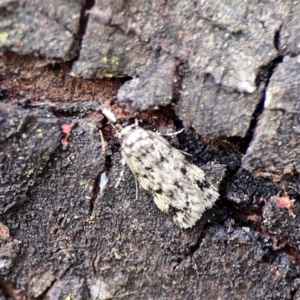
66	128
25	76
287	203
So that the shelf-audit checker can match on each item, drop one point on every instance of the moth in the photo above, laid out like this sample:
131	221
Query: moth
179	189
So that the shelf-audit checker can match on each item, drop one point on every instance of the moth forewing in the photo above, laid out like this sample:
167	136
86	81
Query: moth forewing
179	188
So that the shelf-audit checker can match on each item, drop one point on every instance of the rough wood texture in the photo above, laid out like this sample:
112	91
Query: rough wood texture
218	49
44	29
275	148
63	238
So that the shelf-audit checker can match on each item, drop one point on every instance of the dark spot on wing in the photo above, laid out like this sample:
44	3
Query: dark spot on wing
183	170
180	187
162	158
170	194
203	185
176	183
149	190
145	176
152	176
187	203
185	208
158	191
173	211
149	169
208	196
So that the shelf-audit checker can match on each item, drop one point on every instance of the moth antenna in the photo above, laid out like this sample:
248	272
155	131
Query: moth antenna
172	134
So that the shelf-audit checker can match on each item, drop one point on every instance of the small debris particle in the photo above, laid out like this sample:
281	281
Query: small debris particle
103	182
66	128
4	232
117	256
287	203
109	115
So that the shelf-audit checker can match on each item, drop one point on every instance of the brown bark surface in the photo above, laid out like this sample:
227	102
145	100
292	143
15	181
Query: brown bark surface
228	70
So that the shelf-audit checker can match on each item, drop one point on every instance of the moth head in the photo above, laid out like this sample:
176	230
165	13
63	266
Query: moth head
123	132
133	137
128	132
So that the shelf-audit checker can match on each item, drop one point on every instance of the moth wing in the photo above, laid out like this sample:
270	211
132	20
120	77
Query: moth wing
189	197
179	188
